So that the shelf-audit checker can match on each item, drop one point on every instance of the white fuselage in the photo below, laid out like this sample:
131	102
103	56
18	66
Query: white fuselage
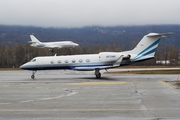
75	62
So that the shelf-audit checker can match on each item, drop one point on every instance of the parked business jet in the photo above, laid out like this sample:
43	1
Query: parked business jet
51	45
144	50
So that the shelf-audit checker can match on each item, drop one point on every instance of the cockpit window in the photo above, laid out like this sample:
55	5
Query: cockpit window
33	60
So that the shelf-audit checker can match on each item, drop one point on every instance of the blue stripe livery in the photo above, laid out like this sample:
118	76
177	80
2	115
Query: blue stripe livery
146	51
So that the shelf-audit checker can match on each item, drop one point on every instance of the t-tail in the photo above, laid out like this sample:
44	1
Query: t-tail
146	48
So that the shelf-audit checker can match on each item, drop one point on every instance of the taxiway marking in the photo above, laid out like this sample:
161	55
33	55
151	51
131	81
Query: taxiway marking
4	103
85	110
26	101
100	83
169	85
3	85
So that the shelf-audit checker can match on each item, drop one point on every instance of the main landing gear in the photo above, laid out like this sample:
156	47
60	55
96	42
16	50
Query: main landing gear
33	74
52	50
97	73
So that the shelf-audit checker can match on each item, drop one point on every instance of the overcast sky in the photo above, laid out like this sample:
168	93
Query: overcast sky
80	13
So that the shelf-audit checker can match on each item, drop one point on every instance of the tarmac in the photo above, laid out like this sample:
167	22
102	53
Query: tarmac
72	95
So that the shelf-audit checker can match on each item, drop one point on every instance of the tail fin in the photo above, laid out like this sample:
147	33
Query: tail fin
34	39
146	48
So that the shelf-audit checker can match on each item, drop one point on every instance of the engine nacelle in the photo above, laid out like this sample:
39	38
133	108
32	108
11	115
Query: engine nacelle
126	57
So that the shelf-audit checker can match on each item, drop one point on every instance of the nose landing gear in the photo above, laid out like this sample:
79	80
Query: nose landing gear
33	75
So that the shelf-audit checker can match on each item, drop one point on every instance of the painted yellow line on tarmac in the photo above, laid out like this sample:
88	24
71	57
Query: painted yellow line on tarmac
3	85
100	83
169	85
25	101
4	103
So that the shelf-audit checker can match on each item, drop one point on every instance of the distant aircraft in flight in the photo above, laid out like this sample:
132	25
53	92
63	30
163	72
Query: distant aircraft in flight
51	45
144	50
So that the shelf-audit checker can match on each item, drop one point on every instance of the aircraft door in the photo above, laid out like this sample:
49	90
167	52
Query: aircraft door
39	63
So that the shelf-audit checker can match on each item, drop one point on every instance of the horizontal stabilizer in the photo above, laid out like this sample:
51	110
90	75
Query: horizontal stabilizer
30	42
158	34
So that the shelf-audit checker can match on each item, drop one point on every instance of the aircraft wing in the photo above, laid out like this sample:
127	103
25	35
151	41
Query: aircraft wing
55	46
116	64
50	45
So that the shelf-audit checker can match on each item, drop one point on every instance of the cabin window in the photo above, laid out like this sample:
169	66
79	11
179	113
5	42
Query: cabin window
87	60
73	61
66	61
52	62
80	60
59	61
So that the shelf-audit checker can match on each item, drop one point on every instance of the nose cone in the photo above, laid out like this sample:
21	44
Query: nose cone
22	66
25	66
29	66
76	44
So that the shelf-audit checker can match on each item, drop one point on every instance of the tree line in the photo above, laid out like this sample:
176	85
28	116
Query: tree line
88	36
15	55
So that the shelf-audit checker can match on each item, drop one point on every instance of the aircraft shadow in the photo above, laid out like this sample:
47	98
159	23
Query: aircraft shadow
72	79
99	79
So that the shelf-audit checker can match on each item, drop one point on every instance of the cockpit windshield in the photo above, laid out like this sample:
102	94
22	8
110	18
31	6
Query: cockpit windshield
33	60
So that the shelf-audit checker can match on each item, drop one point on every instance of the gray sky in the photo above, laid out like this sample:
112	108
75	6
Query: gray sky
80	13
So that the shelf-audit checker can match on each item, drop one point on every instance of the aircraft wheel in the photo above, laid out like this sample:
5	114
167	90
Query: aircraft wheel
98	75
32	76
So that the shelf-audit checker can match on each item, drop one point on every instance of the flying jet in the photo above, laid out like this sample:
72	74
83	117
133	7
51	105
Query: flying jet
51	45
144	50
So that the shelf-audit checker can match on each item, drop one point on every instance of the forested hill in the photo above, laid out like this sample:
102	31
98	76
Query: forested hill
87	36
